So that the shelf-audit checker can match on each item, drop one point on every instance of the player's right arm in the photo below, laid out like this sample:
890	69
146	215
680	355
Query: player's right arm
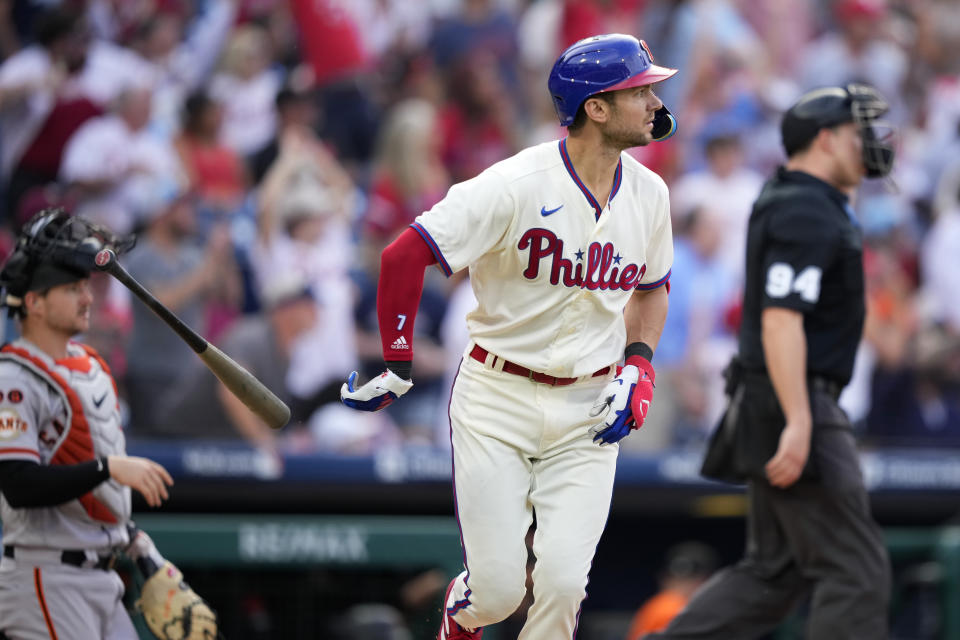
398	296
459	229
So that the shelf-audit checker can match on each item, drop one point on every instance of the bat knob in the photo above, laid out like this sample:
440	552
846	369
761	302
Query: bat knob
104	258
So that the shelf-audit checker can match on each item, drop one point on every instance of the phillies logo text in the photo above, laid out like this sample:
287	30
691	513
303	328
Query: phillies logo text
600	271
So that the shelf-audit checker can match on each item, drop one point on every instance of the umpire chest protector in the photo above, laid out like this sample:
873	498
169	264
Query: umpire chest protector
805	252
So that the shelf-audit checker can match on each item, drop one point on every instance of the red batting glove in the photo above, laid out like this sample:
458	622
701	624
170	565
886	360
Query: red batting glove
643	393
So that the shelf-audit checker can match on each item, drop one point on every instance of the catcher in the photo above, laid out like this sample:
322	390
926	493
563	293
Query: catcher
65	478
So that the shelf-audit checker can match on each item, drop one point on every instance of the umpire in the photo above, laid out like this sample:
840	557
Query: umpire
809	530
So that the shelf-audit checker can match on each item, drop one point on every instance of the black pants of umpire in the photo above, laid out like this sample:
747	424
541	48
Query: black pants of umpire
816	538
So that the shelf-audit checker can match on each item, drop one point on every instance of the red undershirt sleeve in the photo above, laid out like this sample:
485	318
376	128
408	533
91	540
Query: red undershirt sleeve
398	293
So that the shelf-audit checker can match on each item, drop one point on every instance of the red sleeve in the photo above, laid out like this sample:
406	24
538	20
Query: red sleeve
399	290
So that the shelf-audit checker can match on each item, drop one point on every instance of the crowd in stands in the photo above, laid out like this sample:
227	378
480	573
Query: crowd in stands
265	151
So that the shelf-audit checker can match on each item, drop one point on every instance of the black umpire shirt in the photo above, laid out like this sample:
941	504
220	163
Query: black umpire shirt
805	252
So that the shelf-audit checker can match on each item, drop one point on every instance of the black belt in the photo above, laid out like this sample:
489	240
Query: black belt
830	387
815	382
73	557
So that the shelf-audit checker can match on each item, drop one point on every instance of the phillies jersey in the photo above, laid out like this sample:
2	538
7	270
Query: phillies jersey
62	412
551	270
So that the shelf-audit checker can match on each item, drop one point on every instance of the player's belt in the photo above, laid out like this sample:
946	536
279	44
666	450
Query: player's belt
73	557
480	354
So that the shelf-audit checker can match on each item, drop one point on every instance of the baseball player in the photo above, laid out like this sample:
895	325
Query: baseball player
65	479
569	248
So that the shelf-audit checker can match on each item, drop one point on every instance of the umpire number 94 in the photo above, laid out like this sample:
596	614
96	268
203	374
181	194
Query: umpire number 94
781	282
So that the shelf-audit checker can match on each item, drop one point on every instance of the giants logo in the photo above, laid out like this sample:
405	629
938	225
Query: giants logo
601	270
11	424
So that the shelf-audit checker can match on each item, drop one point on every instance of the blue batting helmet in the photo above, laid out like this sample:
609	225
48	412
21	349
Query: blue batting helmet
606	63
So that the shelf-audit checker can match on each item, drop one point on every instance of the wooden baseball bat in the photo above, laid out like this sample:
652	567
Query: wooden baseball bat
241	382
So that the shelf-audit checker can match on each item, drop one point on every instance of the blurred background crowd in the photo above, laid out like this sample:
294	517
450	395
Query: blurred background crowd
265	151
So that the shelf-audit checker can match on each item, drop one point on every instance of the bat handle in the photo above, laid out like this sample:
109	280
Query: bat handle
106	260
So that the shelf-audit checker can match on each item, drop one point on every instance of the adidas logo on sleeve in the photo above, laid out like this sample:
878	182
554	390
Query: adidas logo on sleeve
400	343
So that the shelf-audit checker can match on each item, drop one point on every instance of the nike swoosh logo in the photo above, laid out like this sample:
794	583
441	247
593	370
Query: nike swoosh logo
99	402
546	212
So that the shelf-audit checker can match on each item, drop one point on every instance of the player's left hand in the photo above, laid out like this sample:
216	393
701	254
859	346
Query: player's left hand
624	402
375	394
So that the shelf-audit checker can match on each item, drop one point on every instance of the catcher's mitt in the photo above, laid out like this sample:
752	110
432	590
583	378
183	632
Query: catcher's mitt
173	610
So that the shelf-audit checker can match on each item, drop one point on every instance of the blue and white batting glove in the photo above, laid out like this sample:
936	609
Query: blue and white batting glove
613	408
376	394
624	402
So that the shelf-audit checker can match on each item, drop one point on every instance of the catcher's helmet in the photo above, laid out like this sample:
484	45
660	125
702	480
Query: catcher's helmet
54	248
606	63
831	106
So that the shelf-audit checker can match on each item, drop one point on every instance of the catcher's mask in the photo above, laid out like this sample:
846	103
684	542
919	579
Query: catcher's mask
832	106
54	248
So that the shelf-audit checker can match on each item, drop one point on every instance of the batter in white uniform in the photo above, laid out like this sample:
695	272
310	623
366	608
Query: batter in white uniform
569	248
65	478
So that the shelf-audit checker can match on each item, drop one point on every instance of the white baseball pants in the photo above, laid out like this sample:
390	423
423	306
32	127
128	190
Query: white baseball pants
521	447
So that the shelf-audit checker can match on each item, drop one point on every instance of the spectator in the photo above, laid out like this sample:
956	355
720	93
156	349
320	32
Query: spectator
538	41
408	176
478	28
697	341
919	404
42	102
184	277
276	16
392	27
583	18
304	230
216	172
687	566
296	115
9	40
111	157
478	122
728	188
111	322
247	87
859	50
692	34
200	406
333	48
785	29
916	383
181	54
941	278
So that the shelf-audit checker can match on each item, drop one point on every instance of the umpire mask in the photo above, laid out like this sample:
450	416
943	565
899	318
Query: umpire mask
867	106
831	106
